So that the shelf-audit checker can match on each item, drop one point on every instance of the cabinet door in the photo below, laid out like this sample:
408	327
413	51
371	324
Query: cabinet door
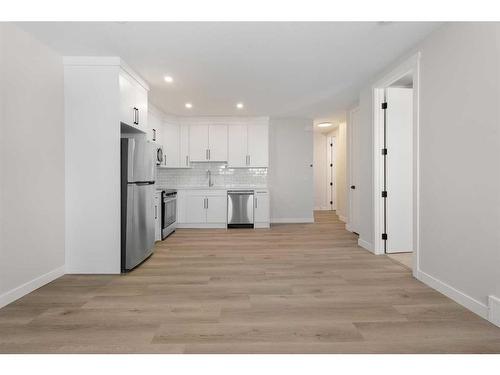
217	141
198	142
261	208
127	99
155	124
258	145
217	209
157	217
237	146
184	146
141	103
195	209
170	138
181	206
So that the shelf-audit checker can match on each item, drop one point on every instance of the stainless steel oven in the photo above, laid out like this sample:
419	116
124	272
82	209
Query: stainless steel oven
169	213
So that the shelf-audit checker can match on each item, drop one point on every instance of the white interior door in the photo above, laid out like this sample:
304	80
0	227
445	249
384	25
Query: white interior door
354	151
398	134
330	172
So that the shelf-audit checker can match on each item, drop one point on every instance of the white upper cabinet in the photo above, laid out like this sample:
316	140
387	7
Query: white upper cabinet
133	102
258	145
155	127
248	146
207	143
127	100
198	142
217	142
242	144
184	146
170	143
237	156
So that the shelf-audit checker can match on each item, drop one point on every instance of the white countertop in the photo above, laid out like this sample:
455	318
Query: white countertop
226	187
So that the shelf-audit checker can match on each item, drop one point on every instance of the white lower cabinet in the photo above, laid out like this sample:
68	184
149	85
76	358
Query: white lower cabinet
202	208
208	208
157	217
261	209
217	208
195	208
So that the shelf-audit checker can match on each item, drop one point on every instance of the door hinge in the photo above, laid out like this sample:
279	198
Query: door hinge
384	151
331	144
331	202
331	165
384	236
384	194
384	105
331	183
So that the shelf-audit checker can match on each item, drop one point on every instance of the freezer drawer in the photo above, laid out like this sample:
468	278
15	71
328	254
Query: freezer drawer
240	206
140	230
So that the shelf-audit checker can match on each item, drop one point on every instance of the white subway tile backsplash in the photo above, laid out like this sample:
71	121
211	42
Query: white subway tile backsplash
222	176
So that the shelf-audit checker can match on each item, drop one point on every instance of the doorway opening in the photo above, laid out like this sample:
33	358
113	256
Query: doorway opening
396	164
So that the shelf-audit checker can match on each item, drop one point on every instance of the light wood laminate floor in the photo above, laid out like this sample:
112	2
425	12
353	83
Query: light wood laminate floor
303	288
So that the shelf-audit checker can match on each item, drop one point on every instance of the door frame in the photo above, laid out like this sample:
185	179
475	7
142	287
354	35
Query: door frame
350	153
410	66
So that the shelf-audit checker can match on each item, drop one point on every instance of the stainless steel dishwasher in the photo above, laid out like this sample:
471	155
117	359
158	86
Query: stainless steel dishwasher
240	205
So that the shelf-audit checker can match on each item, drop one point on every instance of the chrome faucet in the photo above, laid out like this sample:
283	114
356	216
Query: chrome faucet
210	182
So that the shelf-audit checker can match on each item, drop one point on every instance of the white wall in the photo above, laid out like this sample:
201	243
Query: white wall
459	153
290	172
92	168
321	199
31	164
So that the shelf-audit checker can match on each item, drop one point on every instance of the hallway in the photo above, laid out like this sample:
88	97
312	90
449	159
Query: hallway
295	288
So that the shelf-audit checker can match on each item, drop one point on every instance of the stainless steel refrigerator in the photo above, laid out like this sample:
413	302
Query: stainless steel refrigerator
137	201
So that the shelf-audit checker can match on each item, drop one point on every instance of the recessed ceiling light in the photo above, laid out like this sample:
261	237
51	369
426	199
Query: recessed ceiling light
324	125
239	105
188	105
168	79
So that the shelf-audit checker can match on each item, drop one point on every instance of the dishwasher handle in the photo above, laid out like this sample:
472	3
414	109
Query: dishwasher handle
240	192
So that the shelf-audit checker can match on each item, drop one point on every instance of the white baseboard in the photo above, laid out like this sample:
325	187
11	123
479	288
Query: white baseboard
298	220
365	245
455	294
494	310
348	227
202	226
322	208
30	286
261	225
342	218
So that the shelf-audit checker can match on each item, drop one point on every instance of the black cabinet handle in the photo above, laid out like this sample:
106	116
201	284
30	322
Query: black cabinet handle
353	187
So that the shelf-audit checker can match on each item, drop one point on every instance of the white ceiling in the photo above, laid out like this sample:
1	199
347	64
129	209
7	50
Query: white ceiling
279	68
